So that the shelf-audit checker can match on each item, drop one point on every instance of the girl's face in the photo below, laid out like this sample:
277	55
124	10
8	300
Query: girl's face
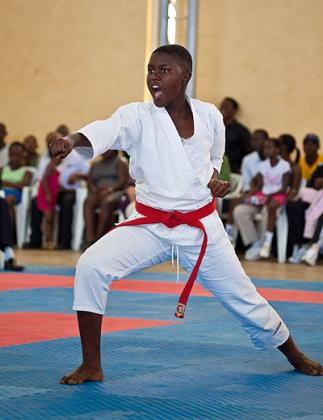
167	79
271	149
16	156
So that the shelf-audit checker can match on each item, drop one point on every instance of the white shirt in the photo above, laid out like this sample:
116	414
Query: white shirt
4	156
273	175
169	174
71	164
249	168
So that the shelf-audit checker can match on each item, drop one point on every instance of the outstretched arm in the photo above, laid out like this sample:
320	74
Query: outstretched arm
60	147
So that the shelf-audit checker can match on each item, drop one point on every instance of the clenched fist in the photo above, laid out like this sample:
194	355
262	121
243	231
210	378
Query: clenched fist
219	188
60	147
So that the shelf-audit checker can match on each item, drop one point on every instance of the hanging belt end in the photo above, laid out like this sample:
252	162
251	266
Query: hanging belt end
180	310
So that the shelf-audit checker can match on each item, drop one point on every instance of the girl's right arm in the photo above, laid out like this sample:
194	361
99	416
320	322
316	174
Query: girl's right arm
60	147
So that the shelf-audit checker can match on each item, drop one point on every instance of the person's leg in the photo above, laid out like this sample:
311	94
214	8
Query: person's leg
272	207
296	222
66	200
36	237
116	255
11	200
243	216
49	229
230	228
90	205
222	274
6	231
105	220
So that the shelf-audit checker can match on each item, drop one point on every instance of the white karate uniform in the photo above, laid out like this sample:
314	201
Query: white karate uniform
171	175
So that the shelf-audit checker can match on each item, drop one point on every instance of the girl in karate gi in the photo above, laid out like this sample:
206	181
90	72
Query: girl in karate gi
175	144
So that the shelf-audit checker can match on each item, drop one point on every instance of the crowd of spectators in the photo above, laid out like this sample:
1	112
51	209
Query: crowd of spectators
276	177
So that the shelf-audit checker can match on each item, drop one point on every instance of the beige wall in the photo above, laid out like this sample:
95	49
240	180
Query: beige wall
268	54
72	61
68	61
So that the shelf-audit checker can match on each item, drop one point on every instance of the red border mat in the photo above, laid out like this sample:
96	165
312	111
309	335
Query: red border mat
29	327
32	281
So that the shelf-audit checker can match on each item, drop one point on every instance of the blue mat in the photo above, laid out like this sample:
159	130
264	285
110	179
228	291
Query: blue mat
202	368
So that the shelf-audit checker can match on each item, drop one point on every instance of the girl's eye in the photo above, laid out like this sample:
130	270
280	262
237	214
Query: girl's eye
150	71
164	70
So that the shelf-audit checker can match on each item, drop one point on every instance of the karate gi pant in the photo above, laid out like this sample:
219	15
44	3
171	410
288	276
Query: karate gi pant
128	249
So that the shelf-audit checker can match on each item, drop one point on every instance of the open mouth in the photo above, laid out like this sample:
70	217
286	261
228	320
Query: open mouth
156	91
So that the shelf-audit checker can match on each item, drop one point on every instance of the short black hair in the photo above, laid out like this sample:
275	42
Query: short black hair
16	144
289	141
177	51
274	141
233	101
262	132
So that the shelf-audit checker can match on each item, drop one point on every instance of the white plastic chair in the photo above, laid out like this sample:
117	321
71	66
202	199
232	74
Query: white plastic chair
23	209
236	181
78	218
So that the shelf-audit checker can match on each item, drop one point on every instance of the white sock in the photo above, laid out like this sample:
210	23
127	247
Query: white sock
295	249
229	227
269	237
256	243
8	253
320	242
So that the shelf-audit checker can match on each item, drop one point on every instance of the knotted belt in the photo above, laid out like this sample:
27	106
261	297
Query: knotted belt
172	219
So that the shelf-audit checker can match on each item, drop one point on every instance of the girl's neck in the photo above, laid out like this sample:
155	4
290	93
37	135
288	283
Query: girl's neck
311	159
274	160
14	166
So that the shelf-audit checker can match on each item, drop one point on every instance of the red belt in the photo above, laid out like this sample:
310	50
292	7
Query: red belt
172	219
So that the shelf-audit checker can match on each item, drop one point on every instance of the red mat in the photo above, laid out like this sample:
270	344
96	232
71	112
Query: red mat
29	327
15	281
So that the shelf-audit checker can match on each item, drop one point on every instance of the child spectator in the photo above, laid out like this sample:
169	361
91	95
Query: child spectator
311	158
268	193
14	176
287	147
31	155
46	199
106	181
249	169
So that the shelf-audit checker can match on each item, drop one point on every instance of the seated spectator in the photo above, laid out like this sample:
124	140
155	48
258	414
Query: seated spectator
249	169
304	215
72	170
63	130
268	192
287	147
14	176
31	155
311	158
128	198
46	199
3	146
238	139
7	238
106	182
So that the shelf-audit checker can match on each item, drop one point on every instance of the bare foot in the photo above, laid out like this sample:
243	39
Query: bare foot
306	366
83	374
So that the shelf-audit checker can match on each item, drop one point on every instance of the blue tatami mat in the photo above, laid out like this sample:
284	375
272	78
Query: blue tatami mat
201	368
